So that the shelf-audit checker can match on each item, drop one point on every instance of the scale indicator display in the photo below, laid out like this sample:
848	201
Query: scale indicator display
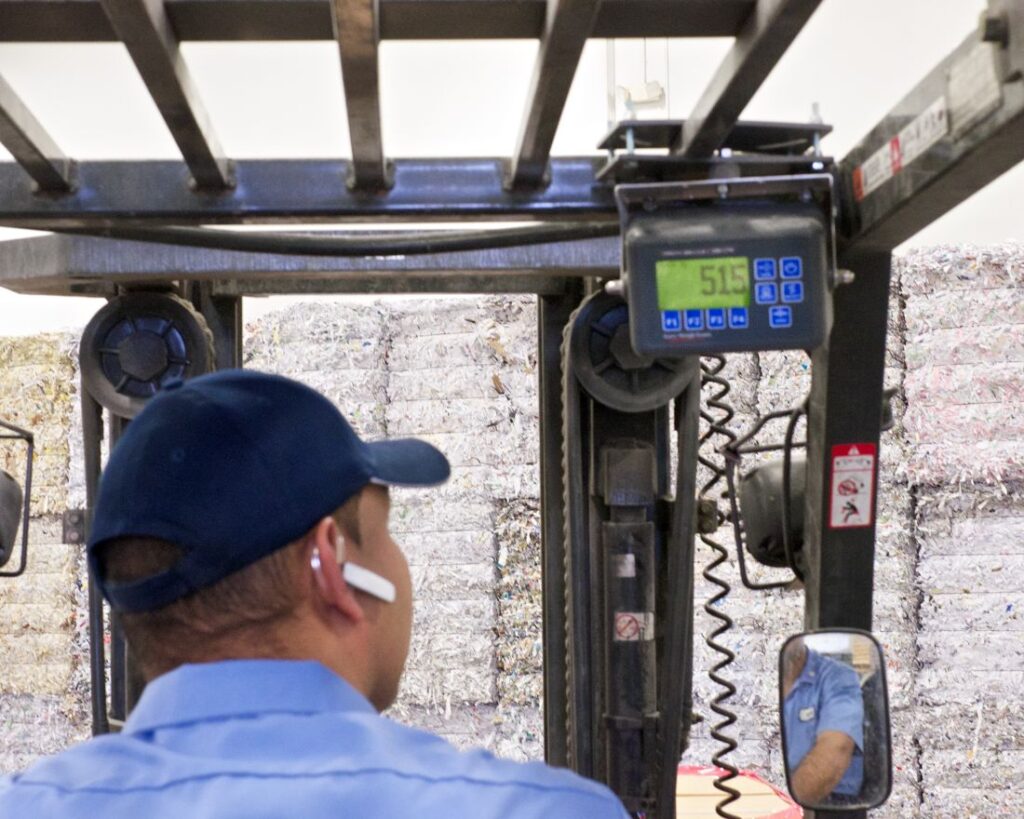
703	283
732	276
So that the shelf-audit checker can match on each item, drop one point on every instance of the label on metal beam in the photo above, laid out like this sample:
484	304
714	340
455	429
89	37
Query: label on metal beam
624	565
974	90
925	130
877	170
853	485
912	141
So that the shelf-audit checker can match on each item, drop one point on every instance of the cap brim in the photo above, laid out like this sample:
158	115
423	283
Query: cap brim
407	462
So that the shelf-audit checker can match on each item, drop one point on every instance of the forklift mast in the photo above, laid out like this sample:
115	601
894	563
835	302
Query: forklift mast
720	236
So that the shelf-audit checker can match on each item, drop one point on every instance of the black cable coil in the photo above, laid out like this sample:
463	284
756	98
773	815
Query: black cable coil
711	368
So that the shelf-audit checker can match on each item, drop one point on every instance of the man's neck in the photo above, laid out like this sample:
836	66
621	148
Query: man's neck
792	671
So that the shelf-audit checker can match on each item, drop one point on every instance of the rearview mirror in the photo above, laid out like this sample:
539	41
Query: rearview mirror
10	515
835	720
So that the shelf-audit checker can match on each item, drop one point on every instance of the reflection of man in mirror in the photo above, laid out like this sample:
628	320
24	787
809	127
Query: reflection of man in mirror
824	723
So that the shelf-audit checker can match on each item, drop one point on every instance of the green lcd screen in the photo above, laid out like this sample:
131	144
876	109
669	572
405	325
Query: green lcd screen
696	284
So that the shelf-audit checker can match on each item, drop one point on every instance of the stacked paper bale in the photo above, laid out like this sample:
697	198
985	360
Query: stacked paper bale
462	375
965	430
40	712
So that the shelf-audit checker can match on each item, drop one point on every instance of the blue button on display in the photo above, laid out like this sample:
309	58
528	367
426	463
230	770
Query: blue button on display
694	320
716	318
792	267
779	317
792	292
738	318
670	321
764	269
766	293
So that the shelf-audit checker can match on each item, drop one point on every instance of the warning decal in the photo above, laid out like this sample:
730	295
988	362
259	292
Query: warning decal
853	485
930	126
633	626
876	171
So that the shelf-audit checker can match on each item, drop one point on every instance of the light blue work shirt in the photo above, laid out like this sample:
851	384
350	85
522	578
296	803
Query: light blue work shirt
276	739
826	697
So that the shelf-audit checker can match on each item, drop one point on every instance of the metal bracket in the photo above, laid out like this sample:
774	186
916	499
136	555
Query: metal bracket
73	527
12	432
1003	24
650	196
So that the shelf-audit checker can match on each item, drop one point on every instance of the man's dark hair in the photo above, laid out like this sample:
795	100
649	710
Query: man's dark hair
233	618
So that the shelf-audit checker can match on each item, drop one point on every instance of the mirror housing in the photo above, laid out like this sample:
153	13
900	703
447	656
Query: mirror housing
11	500
760	500
834	707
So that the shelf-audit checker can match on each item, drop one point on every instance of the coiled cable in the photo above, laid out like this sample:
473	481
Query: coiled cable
711	369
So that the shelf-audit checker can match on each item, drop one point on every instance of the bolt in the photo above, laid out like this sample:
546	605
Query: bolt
995	30
615	288
845	277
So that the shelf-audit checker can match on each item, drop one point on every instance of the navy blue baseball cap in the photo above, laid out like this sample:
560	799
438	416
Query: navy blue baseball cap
230	467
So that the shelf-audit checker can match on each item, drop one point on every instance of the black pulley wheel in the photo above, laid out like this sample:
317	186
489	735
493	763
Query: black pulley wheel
608	368
137	343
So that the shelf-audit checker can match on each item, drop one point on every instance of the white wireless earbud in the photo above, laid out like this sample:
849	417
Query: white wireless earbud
369	582
359	578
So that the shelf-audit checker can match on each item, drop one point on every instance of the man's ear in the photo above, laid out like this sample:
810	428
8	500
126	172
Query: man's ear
323	545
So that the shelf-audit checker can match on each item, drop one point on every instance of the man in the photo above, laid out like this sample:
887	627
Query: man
241	529
823	717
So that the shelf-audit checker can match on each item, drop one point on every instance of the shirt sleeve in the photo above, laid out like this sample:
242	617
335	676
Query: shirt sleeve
842	705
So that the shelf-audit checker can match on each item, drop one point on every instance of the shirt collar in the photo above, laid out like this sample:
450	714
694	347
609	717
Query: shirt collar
811	670
233	688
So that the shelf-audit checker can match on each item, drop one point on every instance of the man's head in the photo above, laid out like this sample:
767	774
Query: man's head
224	517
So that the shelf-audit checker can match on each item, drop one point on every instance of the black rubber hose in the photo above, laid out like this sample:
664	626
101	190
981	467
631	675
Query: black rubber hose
787	495
368	243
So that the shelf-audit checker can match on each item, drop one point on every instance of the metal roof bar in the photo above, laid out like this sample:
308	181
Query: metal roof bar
155	192
568	25
146	31
356	30
959	129
233	20
85	265
767	34
30	144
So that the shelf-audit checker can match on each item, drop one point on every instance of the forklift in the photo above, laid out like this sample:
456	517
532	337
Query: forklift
690	241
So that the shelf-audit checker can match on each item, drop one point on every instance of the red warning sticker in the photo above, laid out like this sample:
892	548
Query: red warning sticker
633	626
853	486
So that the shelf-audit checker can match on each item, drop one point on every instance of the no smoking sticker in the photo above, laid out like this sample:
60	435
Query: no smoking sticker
632	626
853	485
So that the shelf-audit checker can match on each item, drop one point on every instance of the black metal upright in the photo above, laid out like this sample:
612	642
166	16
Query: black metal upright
845	409
92	436
552	316
223	315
